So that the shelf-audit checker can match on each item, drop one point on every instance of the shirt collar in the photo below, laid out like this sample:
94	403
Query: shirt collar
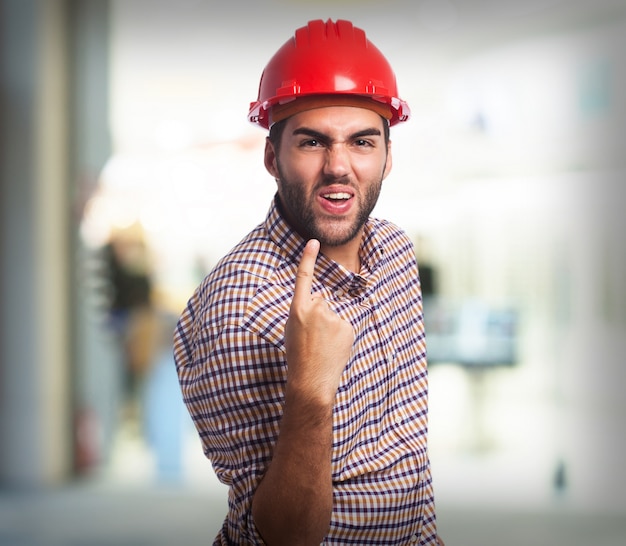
282	234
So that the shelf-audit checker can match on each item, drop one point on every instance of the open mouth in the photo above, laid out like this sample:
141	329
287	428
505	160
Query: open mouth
337	197
336	202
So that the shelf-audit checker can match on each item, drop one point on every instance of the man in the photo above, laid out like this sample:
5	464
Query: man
301	357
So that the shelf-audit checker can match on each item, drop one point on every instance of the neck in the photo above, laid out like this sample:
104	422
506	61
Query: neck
346	255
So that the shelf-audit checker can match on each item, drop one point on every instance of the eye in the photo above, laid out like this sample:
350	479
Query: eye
310	143
362	143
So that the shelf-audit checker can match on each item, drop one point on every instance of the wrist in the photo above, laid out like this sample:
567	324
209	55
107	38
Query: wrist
308	400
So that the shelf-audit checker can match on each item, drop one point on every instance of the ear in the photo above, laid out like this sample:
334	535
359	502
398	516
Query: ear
270	158
388	161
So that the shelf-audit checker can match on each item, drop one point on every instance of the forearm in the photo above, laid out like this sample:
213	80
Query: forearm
293	502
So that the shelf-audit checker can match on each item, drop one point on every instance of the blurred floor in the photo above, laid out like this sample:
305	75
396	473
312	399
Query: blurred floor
96	514
105	515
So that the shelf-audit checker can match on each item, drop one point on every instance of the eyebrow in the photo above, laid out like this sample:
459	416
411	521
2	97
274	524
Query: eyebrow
372	131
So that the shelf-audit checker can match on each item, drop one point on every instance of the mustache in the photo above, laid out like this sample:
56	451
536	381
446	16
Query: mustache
331	180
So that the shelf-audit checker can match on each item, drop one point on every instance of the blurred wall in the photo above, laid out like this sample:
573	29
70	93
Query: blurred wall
42	149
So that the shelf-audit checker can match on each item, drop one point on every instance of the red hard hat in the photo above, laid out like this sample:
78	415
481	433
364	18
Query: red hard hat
327	58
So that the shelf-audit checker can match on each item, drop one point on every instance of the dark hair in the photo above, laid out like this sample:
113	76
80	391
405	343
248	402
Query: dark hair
276	133
277	130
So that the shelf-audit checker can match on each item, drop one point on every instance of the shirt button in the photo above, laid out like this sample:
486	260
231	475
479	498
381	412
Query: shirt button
413	539
398	419
339	293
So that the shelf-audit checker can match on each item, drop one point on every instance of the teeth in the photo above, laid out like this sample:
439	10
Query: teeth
337	196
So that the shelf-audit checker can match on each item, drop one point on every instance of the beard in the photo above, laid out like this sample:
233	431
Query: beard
298	207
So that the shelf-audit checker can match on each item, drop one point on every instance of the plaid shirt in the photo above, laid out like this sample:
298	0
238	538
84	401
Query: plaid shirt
230	357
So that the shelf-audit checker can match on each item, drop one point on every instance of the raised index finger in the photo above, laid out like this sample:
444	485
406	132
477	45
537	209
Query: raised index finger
304	276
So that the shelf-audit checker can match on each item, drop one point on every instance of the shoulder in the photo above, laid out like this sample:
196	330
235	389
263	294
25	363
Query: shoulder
223	298
390	237
237	276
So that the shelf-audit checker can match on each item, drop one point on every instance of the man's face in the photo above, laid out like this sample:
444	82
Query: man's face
329	169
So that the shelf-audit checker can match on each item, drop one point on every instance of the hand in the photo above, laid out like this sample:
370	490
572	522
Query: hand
318	342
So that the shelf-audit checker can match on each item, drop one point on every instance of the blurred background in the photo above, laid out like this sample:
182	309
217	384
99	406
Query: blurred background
128	168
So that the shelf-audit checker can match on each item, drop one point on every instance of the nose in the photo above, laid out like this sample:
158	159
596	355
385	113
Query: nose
337	162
